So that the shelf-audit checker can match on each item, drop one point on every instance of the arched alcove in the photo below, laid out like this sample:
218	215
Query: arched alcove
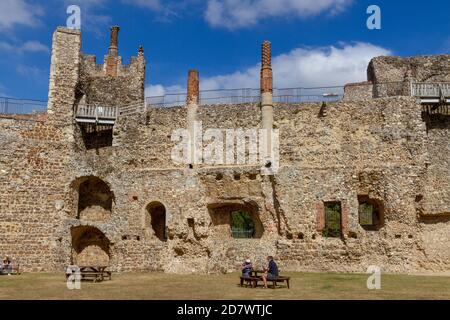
156	219
94	199
90	247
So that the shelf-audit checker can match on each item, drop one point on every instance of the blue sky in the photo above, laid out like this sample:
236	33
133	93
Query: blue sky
314	42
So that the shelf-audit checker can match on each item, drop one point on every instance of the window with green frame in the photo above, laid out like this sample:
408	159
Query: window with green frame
370	213
242	225
333	220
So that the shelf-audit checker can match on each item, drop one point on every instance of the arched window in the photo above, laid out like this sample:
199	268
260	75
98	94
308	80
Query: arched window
157	214
371	216
94	199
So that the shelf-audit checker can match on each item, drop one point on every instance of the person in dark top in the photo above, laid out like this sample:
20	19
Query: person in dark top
247	268
271	271
7	266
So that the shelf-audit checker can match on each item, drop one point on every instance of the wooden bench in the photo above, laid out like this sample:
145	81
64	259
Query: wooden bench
107	274
278	280
14	270
252	281
92	276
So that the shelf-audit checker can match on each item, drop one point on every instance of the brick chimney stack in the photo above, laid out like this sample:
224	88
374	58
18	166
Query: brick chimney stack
112	59
267	98
193	88
192	101
114	43
266	68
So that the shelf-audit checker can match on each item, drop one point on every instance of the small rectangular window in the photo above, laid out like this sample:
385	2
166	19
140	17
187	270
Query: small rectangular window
333	220
366	214
370	213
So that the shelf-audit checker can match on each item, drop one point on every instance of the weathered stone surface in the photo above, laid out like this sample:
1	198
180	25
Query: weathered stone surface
383	149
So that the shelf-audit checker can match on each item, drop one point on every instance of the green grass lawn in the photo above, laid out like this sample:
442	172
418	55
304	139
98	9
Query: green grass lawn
191	287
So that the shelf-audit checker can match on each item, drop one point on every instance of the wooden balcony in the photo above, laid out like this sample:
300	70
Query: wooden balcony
431	93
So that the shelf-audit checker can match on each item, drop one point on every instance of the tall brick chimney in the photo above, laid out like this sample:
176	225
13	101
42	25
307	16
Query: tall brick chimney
266	68
267	96
192	101
114	42
193	88
112	59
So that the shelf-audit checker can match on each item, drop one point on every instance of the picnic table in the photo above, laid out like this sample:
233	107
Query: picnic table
12	269
256	276
94	273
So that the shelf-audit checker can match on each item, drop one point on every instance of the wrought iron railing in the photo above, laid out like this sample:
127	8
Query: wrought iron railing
21	106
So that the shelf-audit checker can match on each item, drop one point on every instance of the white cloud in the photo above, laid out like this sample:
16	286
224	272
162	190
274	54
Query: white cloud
165	10
85	3
32	72
234	14
34	46
301	67
154	5
158	90
14	12
28	46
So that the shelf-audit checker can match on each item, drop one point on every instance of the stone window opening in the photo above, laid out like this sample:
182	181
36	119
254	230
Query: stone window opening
156	212
94	199
333	220
371	214
235	221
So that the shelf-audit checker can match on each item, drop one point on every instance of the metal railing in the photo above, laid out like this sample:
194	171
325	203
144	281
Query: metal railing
242	233
239	96
96	112
248	95
21	106
430	90
300	95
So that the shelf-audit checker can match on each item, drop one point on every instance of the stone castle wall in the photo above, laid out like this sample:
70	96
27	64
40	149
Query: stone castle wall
383	149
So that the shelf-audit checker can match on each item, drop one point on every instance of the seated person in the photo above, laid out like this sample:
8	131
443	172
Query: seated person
7	266
271	272
247	268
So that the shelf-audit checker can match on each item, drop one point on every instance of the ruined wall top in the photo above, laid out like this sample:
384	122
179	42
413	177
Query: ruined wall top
418	69
112	83
113	65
